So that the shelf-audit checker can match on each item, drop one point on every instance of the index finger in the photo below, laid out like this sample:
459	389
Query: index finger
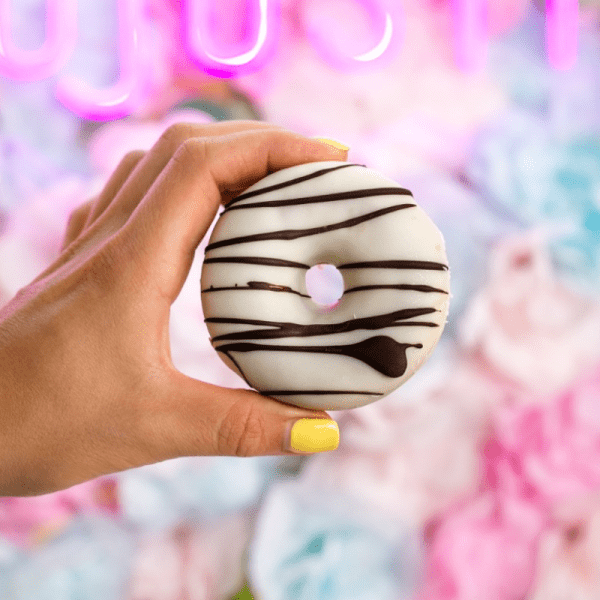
158	157
174	216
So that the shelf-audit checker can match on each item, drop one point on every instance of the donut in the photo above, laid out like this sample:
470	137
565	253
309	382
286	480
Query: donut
264	324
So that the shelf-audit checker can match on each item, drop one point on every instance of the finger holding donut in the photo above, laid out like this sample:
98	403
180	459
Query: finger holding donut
89	384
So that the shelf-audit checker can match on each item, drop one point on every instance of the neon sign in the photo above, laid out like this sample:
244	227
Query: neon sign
385	22
470	33
121	98
51	56
263	18
562	20
248	48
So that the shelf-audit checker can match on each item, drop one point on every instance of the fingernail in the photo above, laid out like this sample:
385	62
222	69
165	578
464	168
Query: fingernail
314	435
337	145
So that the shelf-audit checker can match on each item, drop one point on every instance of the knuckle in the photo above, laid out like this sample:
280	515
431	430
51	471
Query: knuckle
192	152
74	219
132	157
176	134
242	431
80	212
79	216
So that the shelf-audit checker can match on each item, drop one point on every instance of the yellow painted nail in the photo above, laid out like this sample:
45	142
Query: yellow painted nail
334	143
314	435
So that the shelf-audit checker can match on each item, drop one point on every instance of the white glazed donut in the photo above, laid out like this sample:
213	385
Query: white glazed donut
267	328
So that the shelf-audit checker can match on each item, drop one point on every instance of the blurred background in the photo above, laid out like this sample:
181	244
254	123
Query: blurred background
477	479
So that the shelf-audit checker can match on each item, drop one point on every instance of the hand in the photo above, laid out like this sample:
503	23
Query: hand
87	384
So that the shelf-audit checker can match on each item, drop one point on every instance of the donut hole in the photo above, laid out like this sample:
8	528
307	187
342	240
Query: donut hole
325	285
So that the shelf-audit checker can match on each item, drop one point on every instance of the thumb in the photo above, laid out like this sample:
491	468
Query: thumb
202	419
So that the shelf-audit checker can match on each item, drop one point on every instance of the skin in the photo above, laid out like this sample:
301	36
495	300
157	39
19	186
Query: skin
87	383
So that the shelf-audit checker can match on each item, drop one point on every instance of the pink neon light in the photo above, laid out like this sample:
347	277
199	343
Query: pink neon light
385	19
470	34
214	38
562	25
45	61
121	98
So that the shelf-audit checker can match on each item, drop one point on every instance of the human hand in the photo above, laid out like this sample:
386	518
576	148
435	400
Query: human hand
87	383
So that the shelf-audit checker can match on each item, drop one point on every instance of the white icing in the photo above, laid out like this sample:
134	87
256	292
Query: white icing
406	234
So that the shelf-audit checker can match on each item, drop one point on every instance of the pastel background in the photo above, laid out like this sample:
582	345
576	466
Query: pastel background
477	480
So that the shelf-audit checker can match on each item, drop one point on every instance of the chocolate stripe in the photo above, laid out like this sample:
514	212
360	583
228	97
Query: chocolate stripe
283	330
289	183
426	265
349	195
257	260
256	285
401	286
243	335
381	353
261	285
415	324
292	234
316	392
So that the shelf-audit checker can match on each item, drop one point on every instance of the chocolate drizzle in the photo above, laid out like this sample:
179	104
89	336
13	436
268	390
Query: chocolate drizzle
349	195
283	330
293	234
290	182
381	352
400	286
256	260
257	285
426	265
316	392
262	285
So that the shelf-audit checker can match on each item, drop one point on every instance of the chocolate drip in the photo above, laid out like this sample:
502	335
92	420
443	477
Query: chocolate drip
257	260
400	286
349	195
381	352
289	183
426	265
283	330
316	392
257	285
292	234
